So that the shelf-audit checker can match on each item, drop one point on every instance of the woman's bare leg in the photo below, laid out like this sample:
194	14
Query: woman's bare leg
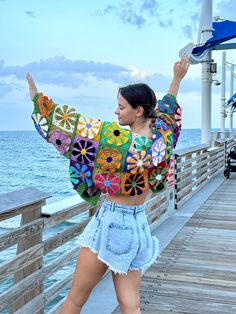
127	291
88	272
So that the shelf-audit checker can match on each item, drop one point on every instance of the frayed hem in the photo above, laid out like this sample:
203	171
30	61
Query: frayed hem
145	267
114	270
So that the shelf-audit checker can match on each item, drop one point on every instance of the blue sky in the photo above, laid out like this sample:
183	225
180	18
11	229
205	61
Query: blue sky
80	52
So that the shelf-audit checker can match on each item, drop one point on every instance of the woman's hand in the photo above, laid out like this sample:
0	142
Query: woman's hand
32	86
181	68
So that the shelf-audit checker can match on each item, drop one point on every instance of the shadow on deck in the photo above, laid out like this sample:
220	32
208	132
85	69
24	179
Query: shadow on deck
196	272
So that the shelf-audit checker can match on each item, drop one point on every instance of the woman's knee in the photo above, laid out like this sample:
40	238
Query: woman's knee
79	296
128	304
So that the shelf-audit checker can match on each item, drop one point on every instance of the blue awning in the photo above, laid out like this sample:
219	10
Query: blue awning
231	101
223	31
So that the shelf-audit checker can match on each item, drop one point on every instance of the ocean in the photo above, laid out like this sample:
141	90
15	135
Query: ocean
26	160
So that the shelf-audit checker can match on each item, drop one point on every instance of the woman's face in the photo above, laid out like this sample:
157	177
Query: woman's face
126	114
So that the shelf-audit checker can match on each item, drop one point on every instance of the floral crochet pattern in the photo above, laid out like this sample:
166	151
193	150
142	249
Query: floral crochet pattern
109	159
108	183
87	127
158	177
137	162
80	173
115	135
40	124
60	140
142	143
44	104
158	151
83	151
134	184
65	118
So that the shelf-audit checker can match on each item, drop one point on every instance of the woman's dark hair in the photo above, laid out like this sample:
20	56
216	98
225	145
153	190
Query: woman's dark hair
140	95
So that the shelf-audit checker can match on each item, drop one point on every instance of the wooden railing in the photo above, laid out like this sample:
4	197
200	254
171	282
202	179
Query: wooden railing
195	166
27	271
26	294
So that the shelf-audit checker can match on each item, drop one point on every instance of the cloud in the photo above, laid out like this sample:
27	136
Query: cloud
60	71
68	73
188	31
129	16
30	13
5	89
138	13
150	6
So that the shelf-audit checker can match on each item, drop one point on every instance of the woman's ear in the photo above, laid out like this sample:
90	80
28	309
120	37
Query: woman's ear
139	111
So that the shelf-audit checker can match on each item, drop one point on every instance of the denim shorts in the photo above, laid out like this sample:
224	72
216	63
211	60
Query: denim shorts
121	237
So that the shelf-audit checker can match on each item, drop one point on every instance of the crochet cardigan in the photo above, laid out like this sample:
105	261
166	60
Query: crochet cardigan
114	159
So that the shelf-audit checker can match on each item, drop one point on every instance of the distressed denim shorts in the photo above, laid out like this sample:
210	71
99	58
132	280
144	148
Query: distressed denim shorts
121	237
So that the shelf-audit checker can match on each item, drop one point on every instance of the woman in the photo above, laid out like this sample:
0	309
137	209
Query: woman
126	165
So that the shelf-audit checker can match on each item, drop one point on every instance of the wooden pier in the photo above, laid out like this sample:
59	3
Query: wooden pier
196	273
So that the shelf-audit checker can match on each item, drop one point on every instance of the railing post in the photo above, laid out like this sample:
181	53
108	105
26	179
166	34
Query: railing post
21	247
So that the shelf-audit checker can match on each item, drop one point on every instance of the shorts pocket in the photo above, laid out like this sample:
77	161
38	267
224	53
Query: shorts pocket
120	239
147	233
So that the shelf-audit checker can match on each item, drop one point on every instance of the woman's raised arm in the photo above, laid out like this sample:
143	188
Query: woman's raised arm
180	69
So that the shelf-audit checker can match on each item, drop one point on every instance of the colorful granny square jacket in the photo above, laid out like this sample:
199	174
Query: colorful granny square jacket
107	156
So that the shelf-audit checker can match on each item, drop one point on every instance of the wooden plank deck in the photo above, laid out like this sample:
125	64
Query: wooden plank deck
196	273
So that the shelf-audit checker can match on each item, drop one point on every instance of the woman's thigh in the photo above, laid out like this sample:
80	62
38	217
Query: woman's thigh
127	288
88	272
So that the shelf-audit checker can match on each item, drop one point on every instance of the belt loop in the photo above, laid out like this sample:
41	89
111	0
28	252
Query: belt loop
113	206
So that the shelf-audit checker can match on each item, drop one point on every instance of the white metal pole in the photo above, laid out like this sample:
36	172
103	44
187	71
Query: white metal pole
231	94
206	73
223	95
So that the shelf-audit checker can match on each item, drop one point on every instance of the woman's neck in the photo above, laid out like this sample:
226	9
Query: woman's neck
142	129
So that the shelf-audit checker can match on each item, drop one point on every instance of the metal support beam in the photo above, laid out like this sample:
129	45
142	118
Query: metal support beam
206	73
223	94
225	46
231	94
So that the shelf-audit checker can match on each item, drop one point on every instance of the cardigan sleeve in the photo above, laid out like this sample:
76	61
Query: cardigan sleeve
167	123
60	124
170	112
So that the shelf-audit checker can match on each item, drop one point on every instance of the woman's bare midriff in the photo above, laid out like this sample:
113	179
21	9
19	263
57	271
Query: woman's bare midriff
129	200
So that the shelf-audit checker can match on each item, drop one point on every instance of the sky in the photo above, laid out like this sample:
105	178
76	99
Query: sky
80	52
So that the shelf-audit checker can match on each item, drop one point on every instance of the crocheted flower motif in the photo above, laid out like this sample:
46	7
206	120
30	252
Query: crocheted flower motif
142	143
60	140
80	173
138	162
88	127
134	184
65	117
169	141
107	183
158	177
109	159
83	151
160	124
158	151
45	105
178	116
40	124
116	135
